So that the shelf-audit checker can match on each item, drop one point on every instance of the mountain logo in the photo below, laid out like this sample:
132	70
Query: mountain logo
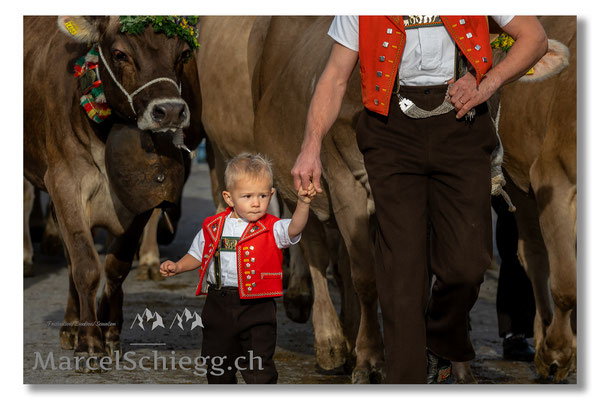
187	314
180	320
148	315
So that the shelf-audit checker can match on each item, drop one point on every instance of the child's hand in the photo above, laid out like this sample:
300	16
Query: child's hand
168	268
306	195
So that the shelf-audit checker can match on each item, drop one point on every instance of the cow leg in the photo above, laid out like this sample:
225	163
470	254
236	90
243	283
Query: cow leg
28	201
533	256
298	297
149	255
556	197
116	267
51	243
68	332
83	259
354	222
331	346
350	310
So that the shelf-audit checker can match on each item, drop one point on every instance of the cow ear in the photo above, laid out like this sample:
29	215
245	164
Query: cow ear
83	29
554	61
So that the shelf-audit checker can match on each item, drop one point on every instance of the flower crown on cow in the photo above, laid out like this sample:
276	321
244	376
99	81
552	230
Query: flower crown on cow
171	25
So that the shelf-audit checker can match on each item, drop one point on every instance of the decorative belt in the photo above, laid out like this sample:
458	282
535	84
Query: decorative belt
411	110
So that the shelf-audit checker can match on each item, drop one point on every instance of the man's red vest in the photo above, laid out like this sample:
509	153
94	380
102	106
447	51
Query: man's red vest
381	42
258	257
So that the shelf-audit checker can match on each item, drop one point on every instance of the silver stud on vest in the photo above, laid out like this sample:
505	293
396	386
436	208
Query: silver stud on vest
381	58
389	31
379	74
385	44
461	21
469	35
477	47
484	59
377	88
376	102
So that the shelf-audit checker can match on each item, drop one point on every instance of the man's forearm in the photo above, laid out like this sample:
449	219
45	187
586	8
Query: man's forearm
323	111
530	46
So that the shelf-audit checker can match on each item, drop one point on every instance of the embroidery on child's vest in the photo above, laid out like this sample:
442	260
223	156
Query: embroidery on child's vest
92	99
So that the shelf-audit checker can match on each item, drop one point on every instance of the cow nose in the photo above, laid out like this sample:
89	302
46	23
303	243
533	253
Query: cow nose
169	113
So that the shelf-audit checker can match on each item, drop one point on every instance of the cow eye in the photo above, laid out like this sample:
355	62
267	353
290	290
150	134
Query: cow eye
120	56
185	55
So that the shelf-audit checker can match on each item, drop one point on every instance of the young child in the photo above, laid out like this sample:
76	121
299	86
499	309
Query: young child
239	252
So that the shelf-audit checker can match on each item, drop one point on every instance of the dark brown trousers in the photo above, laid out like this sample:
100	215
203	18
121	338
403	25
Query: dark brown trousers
434	170
239	335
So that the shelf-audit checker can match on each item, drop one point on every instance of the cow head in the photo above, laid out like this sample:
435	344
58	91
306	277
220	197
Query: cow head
140	71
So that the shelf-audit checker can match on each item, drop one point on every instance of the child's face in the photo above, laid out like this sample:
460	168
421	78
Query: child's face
249	197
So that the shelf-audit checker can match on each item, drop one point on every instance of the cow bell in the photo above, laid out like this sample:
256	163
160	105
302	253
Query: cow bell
144	168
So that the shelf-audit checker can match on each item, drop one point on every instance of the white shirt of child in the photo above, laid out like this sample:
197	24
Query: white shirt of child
235	227
428	56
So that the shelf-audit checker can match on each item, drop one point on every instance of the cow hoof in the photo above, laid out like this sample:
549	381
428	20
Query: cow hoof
297	306
360	376
154	273
554	365
149	272
27	270
142	272
113	349
462	373
68	336
331	355
89	363
377	375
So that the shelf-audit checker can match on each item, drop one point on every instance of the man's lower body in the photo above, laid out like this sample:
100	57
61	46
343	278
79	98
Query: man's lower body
435	169
238	335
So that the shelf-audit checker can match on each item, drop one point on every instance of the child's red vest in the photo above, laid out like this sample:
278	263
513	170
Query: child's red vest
381	42
258	257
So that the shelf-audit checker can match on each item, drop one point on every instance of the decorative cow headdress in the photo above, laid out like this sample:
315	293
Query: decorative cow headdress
182	26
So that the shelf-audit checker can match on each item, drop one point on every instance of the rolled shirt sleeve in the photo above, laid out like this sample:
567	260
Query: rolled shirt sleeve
502	20
280	231
344	30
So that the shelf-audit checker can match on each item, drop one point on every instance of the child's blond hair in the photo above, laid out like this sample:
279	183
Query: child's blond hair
252	165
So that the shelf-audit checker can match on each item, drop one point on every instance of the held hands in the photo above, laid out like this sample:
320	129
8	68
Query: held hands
306	195
465	95
169	268
307	171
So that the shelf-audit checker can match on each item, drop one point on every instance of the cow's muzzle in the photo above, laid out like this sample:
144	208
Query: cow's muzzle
163	115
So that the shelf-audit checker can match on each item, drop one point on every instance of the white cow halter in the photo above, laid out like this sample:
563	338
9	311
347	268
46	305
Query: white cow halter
138	90
178	136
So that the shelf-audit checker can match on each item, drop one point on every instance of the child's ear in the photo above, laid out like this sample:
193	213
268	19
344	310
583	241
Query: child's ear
227	198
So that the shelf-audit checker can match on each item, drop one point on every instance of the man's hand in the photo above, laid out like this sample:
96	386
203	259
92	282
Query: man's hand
465	95
168	268
307	171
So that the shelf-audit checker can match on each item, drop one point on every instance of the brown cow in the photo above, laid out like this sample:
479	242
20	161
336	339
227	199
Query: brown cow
111	174
256	80
538	128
